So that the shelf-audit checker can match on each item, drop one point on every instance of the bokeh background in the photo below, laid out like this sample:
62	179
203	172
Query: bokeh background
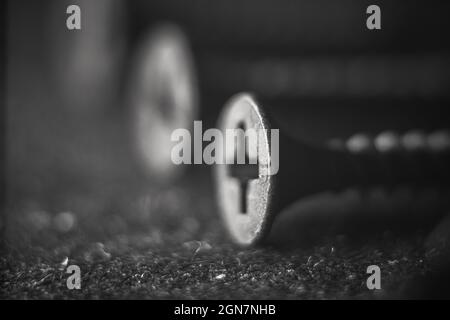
77	192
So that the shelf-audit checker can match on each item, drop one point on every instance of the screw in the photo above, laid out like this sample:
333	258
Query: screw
387	160
162	95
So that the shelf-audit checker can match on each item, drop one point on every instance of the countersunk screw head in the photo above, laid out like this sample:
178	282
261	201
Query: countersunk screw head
250	224
162	93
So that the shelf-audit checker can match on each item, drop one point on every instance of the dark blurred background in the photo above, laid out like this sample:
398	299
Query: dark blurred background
79	187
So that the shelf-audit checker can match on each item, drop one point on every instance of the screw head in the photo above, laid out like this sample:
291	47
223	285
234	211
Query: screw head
163	97
251	224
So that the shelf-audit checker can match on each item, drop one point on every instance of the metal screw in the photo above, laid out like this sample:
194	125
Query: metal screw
162	95
387	160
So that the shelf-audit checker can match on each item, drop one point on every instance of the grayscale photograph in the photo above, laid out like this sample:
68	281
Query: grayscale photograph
225	155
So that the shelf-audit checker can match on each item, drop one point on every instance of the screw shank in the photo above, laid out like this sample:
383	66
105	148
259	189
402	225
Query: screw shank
307	170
